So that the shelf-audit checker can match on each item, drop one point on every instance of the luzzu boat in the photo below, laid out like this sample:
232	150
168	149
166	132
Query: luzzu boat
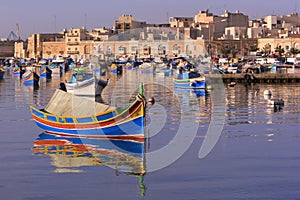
2	72
190	83
16	71
30	78
45	72
89	86
69	115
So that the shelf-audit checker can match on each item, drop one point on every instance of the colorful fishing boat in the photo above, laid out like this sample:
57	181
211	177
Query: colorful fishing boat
69	115
2	72
16	71
90	88
45	72
147	67
187	81
30	78
194	83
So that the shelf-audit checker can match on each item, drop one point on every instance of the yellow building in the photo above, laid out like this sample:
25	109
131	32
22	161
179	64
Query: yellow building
286	43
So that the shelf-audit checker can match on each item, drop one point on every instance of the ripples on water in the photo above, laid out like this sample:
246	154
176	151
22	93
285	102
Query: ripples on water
256	156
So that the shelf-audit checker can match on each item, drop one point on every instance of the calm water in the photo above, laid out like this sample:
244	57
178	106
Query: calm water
256	157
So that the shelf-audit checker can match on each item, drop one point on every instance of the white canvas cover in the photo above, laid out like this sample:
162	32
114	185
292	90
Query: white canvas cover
65	104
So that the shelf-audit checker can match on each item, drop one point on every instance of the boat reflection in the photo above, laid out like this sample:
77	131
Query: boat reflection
69	154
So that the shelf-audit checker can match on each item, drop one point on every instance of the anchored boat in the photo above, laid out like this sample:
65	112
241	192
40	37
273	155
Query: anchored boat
70	115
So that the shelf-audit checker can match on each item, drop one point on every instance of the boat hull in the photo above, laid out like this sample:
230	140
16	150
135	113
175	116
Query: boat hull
190	83
115	123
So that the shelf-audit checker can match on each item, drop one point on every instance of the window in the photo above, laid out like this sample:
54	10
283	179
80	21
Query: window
161	50
109	51
100	49
147	50
122	50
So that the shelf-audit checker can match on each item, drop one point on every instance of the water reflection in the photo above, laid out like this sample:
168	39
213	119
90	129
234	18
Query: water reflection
71	154
248	106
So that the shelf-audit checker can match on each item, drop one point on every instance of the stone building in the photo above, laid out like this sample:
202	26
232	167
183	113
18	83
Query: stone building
293	41
6	49
127	22
35	44
149	42
181	22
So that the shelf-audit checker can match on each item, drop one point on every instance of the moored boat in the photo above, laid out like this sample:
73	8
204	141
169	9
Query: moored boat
2	72
31	78
89	88
147	67
45	72
69	115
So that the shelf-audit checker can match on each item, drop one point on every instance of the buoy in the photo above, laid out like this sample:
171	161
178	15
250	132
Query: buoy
267	92
231	84
151	100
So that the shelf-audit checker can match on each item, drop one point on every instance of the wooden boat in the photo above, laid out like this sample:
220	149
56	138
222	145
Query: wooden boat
31	78
89	88
16	71
147	67
45	72
190	83
69	115
116	68
2	72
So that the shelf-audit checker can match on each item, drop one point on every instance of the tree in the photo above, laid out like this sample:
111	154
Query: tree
226	50
266	50
253	48
279	50
294	51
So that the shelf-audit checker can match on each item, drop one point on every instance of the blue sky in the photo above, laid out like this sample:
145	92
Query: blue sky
45	16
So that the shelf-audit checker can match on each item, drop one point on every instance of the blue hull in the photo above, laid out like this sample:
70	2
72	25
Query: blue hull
130	128
190	85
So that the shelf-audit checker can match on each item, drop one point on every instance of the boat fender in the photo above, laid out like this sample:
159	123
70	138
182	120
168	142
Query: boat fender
151	101
193	84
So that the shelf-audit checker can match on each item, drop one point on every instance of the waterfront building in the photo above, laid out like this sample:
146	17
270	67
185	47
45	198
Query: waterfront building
286	43
149	42
6	49
35	44
229	32
127	22
181	22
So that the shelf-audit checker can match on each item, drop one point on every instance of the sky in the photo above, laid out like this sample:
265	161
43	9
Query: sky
45	16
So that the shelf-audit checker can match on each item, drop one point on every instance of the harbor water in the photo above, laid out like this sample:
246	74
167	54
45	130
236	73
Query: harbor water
256	155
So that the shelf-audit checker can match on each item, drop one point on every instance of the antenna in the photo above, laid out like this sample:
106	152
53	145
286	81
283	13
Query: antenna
295	6
168	17
85	20
17	31
54	23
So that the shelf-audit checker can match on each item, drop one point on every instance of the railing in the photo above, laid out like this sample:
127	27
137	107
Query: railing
72	34
73	52
72	43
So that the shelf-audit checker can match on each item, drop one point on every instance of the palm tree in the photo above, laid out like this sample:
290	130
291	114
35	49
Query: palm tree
279	50
226	50
253	48
266	50
294	51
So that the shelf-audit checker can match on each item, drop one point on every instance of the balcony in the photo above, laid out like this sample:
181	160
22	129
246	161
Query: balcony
72	43
72	52
72	34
